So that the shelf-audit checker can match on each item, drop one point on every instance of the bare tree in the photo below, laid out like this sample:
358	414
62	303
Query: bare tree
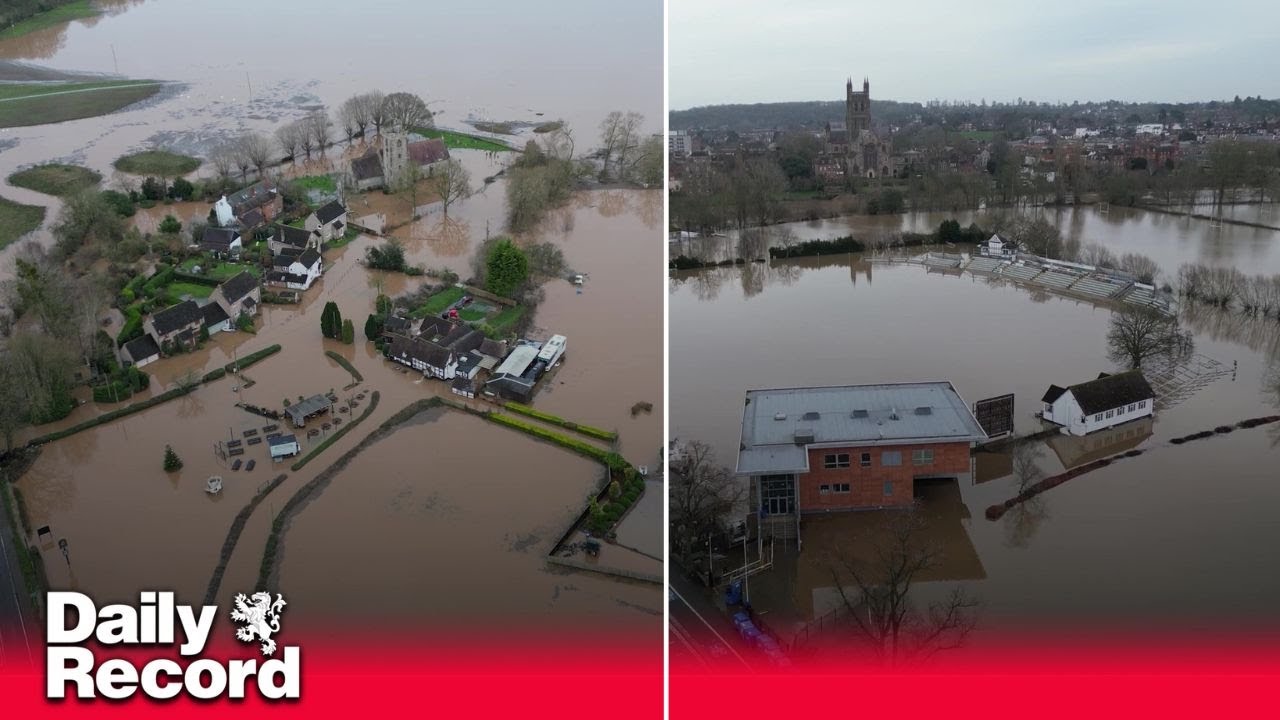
289	138
1141	334
1140	266
223	160
619	139
1025	517
879	602
451	181
558	144
1098	256
702	496
406	111
374	101
358	110
257	149
320	128
346	120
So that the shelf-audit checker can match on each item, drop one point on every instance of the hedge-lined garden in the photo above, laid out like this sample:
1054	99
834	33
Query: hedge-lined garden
587	430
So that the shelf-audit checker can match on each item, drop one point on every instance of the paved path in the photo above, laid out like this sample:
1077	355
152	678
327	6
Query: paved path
699	628
81	90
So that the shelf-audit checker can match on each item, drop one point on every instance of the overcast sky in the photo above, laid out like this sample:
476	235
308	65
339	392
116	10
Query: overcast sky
744	51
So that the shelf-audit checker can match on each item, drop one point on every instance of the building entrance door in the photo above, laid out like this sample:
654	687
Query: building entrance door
777	494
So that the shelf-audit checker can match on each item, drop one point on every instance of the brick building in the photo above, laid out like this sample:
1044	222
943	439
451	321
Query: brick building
824	449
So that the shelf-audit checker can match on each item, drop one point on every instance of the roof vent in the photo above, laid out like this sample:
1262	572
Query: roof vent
804	436
779	416
924	410
812	416
858	414
893	414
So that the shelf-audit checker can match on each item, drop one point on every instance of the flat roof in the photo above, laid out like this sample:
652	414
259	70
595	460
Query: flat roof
518	361
778	425
279	440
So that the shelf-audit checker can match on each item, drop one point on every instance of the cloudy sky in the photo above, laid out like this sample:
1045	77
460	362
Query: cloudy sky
745	51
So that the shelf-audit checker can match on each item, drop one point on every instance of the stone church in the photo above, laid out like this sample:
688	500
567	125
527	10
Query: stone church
867	155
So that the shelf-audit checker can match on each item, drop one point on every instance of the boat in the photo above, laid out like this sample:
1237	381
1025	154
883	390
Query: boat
577	279
213	485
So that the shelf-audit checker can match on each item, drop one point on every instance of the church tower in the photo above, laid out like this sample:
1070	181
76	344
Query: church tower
857	109
395	155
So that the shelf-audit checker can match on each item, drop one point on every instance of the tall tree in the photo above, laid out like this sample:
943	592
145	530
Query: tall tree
406	111
704	494
451	181
507	268
1138	335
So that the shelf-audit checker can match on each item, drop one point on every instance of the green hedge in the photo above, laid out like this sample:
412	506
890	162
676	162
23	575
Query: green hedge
578	446
355	374
373	403
132	327
252	358
113	415
557	420
214	374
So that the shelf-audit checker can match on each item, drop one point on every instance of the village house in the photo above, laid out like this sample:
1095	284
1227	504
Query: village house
296	271
825	449
329	222
259	196
426	357
175	326
139	352
239	294
1104	402
216	319
998	247
463	386
287	237
221	242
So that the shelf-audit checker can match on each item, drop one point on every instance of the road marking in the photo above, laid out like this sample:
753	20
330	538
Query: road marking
81	90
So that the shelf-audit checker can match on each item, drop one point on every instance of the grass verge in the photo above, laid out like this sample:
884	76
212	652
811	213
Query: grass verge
77	10
463	141
56	179
587	430
17	220
161	163
71	101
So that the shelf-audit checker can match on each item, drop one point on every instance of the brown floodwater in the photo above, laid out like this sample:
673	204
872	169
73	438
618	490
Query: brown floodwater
1182	534
509	62
449	518
1167	239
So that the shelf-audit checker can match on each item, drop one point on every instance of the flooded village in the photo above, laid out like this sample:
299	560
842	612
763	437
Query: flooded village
455	450
859	449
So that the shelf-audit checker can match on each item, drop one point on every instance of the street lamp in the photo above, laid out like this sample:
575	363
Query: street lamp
66	554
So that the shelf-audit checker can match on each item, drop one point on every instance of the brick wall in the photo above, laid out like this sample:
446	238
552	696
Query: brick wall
866	484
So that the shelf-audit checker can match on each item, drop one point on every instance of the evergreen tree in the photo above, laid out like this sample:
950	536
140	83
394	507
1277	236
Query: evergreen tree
507	266
331	321
348	332
373	327
172	463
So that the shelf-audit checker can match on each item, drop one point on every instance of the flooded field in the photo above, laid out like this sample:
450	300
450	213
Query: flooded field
1187	527
450	518
1167	239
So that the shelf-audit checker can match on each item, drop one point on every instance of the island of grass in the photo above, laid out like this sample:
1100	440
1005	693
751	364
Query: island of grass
77	10
159	163
437	303
463	141
17	220
24	104
56	179
318	183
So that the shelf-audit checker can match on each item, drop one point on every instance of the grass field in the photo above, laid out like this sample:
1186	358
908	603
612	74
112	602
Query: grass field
505	319
161	163
438	302
49	18
462	141
179	289
322	183
24	105
17	220
220	271
56	179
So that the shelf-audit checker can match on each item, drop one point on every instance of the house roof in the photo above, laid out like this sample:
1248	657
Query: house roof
432	326
1111	391
287	235
286	277
778	425
493	348
141	348
303	409
309	258
256	195
1052	394
367	167
278	440
176	317
214	314
218	238
396	324
462	382
425	152
518	361
238	287
330	212
455	334
252	219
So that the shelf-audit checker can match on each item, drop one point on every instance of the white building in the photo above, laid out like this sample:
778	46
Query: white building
296	271
679	143
1099	404
998	247
283	446
552	350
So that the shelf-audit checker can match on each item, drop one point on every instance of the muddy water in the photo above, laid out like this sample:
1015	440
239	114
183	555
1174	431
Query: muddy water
1186	527
1167	239
428	524
514	62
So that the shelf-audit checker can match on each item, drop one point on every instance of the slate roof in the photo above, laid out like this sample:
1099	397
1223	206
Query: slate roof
1052	394
1112	391
367	167
141	348
252	219
309	258
278	440
215	238
425	351
176	317
254	196
396	324
214	314
286	277
238	287
493	348
330	212
425	152
433	326
296	237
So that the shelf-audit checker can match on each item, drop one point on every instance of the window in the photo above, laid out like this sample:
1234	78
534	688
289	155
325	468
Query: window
888	488
1120	410
833	462
890	458
1098	417
866	459
1132	407
841	487
824	489
1048	409
1142	403
922	457
1111	413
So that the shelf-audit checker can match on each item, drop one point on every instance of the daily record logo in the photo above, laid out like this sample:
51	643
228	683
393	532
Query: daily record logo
72	670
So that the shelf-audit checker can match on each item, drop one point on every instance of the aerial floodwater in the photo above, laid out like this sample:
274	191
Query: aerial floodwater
1153	541
444	503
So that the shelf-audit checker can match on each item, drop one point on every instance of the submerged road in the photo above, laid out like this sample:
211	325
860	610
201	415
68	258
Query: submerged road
17	631
699	629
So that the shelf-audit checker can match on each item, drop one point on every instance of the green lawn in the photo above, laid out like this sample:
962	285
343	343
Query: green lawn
56	179
161	163
194	290
322	183
26	104
438	302
218	271
17	220
505	319
65	13
463	141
